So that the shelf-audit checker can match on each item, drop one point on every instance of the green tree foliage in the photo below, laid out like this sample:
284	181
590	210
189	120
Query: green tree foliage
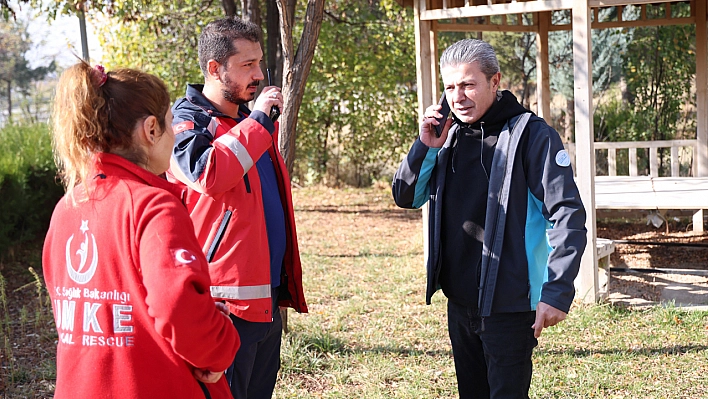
16	75
641	76
517	56
516	53
359	111
608	47
660	68
160	39
361	90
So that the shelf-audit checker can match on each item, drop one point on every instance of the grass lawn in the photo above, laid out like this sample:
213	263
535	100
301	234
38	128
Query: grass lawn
370	335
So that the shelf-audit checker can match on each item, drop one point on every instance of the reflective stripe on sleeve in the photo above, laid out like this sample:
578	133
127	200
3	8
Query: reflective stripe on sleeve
213	125
238	149
247	292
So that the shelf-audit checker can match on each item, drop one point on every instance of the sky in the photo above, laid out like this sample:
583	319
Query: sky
58	39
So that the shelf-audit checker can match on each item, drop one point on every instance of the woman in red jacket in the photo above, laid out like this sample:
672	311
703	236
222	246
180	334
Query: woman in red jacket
127	278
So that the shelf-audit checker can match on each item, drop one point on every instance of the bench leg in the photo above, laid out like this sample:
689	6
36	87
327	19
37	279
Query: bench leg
698	221
603	276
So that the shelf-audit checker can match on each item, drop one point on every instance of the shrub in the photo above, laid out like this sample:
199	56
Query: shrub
29	188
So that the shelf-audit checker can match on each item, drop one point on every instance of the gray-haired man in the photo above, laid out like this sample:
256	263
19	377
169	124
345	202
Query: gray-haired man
507	227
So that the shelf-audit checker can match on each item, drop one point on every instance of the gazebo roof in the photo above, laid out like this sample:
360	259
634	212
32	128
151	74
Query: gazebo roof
435	10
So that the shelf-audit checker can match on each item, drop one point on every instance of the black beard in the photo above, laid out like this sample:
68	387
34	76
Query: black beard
232	98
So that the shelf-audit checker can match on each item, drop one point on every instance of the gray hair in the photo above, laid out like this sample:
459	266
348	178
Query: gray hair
468	51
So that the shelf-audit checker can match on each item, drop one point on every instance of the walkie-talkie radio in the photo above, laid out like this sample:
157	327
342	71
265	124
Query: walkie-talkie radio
274	111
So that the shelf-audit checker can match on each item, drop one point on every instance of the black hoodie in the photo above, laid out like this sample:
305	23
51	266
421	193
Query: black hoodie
465	202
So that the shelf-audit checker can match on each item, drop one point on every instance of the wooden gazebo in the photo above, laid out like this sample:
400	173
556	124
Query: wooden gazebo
433	16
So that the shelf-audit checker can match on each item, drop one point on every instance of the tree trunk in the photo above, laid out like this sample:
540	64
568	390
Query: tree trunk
229	7
296	68
9	101
251	11
274	55
569	121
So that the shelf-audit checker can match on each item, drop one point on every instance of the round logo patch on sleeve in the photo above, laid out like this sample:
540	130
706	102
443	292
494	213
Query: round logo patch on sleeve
563	158
184	256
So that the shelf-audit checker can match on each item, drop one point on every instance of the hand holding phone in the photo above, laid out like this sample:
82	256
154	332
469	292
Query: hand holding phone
274	111
445	111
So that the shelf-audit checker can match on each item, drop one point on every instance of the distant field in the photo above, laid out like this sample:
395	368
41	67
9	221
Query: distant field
370	335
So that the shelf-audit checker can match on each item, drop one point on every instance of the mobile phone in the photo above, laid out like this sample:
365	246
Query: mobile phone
274	111
445	111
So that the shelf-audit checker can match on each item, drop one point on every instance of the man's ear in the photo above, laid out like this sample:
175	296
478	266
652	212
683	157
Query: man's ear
496	79
148	133
213	69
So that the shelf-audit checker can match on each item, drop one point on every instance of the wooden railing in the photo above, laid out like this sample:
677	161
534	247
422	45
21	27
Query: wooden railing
655	191
676	155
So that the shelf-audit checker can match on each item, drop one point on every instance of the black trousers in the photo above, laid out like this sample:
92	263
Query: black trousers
255	368
492	356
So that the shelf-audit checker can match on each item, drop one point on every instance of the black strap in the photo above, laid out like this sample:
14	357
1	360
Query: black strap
207	395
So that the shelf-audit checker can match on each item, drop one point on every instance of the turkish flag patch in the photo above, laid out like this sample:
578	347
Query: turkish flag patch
182	126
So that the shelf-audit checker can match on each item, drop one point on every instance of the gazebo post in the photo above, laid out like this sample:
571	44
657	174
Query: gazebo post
424	58
543	85
701	101
425	47
434	62
587	281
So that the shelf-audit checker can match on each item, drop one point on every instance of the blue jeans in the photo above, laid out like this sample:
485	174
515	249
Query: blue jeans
492	355
255	368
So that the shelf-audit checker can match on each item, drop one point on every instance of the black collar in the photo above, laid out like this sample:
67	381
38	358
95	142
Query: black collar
196	96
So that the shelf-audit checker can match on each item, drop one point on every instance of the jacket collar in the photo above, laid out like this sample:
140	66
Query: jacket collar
196	96
106	164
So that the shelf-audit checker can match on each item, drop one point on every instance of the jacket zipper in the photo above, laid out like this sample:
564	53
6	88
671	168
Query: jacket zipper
219	235
205	390
494	231
479	289
486	276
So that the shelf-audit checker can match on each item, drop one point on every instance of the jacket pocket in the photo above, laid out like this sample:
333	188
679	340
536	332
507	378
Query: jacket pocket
219	235
247	182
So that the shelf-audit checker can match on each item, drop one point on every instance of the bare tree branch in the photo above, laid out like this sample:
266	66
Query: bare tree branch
229	7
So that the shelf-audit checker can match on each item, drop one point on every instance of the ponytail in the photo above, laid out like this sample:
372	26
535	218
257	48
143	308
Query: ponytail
96	112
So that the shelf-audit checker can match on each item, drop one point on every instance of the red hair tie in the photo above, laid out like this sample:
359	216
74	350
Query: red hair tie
98	75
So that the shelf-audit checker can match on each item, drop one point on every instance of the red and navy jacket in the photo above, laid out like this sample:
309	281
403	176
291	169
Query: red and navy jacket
214	157
130	291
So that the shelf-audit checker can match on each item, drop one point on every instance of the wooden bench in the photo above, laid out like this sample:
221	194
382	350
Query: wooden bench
646	192
652	192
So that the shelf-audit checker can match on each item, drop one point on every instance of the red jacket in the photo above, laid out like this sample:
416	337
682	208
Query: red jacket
130	291
214	157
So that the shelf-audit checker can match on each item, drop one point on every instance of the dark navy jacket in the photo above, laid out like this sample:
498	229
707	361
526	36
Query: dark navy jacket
534	234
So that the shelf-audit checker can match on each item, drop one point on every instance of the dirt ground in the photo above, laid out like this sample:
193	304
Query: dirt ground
674	284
